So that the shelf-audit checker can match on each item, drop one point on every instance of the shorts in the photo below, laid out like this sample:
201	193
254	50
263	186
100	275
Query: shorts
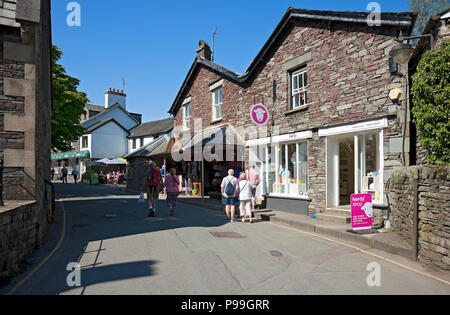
254	192
229	201
245	208
153	192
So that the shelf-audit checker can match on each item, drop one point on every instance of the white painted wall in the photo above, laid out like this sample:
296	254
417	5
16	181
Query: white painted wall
109	141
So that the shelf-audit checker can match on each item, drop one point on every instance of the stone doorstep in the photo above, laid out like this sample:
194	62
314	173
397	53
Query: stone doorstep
332	229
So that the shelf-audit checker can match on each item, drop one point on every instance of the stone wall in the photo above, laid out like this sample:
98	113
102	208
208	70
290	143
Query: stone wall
18	237
434	211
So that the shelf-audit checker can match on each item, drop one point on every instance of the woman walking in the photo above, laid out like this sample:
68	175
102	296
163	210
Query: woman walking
245	198
172	184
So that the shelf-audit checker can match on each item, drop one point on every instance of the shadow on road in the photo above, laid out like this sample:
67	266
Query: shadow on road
110	214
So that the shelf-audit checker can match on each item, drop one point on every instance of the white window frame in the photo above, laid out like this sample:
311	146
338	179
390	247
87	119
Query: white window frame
300	73
82	142
284	147
216	104
186	118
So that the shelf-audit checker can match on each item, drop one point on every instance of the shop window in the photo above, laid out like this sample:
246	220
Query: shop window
217	104
288	169
299	89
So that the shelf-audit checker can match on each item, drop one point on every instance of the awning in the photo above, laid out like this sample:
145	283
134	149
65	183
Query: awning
224	135
108	162
158	147
71	155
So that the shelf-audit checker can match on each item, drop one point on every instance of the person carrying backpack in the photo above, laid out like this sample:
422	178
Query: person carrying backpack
229	193
64	173
153	182
172	185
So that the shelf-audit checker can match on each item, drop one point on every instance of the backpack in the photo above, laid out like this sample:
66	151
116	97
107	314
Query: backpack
230	189
154	178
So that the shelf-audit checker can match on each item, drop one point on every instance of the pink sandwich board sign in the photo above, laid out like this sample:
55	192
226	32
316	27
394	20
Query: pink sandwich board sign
362	212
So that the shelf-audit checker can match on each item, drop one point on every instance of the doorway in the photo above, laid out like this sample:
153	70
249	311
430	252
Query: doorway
346	170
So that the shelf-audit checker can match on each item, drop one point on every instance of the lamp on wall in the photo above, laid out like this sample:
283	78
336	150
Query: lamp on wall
402	52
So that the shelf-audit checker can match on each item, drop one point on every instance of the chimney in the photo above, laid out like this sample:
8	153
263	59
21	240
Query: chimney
204	51
113	96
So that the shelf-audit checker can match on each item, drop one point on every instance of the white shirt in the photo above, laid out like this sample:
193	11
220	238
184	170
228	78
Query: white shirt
245	190
226	180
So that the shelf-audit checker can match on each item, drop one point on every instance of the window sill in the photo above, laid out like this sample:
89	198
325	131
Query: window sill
213	122
296	110
286	196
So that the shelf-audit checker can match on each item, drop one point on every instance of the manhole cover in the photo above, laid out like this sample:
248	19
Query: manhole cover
226	235
276	253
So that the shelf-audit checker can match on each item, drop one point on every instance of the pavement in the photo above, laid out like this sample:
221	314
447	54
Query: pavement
122	251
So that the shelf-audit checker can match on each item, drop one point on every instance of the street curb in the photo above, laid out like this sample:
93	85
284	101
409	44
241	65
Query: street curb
342	235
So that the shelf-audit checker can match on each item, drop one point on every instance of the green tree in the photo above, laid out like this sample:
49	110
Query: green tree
426	9
68	106
431	99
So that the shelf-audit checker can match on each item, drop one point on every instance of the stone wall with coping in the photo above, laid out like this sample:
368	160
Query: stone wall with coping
18	235
434	211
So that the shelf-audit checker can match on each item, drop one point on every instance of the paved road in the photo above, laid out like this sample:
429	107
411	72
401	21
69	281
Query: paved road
123	252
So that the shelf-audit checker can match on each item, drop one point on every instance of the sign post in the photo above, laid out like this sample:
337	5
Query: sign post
362	212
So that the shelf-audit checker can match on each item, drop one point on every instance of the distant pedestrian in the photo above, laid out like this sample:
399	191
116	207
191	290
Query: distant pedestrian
153	182
64	173
255	180
245	198
52	173
229	193
75	174
172	184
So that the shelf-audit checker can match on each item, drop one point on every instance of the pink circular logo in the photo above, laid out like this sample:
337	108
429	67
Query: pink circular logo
260	115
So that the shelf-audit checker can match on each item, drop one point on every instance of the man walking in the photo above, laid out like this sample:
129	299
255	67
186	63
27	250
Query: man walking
254	179
229	193
75	174
153	182
64	173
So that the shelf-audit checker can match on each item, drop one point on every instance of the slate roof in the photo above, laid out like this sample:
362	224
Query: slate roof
102	123
90	120
152	128
405	20
158	147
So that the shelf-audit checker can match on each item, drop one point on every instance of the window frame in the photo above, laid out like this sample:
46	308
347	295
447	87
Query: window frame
303	71
186	119
82	142
215	105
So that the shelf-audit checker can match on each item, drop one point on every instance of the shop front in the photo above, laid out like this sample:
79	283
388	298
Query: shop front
207	157
78	159
355	162
282	162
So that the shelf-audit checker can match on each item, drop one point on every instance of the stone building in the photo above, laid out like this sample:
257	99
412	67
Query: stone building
325	79
25	115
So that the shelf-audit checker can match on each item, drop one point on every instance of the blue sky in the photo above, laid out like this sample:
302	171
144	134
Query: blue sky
152	43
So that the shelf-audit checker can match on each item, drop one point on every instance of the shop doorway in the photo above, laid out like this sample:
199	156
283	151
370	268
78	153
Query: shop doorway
346	170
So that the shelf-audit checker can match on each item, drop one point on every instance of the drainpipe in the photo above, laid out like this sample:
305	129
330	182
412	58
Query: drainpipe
416	214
